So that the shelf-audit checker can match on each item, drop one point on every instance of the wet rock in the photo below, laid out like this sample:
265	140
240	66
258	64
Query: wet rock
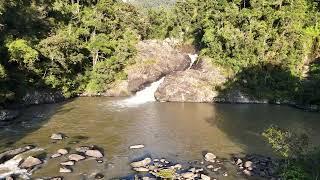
65	169
30	162
204	177
192	170
141	169
42	97
83	149
210	166
140	146
56	178
155	59
177	166
99	176
193	85
247	172
67	163
75	157
94	153
238	161
210	157
11	153
9	178
62	151
188	175
216	169
225	174
162	160
248	164
57	136
141	163
56	155
99	160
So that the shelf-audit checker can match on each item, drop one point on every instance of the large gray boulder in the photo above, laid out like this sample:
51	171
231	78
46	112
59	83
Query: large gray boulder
154	60
197	84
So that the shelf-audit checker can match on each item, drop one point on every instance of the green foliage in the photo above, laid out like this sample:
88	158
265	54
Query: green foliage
3	73
22	53
166	173
288	144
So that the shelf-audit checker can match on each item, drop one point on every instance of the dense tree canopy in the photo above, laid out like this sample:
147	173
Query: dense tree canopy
84	45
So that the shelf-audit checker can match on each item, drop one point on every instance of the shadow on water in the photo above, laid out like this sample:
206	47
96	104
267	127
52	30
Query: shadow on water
31	119
245	123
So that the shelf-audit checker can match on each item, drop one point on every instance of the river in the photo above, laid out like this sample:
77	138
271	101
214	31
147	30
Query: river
177	131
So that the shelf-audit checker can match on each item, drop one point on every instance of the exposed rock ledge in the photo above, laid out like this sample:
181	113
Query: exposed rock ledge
154	60
201	83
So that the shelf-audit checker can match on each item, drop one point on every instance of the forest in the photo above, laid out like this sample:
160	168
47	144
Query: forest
271	47
84	45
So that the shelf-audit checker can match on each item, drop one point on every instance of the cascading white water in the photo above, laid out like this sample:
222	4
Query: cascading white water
147	94
143	96
193	58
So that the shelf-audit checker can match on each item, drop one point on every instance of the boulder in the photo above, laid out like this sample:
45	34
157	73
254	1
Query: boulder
65	169
188	175
62	151
248	164
75	157
67	163
56	155
83	149
141	163
30	162
12	153
193	85
154	60
57	136
210	157
204	177
94	153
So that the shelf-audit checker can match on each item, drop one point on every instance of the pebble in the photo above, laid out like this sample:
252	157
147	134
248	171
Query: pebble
247	172
82	149
225	174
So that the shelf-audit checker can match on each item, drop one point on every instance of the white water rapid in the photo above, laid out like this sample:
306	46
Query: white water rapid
147	94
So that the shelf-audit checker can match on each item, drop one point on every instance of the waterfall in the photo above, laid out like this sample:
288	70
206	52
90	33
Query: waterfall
147	94
193	58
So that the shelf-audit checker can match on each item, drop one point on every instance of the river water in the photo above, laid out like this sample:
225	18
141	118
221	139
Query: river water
177	131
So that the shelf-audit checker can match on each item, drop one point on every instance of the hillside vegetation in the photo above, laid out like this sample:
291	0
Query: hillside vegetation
269	48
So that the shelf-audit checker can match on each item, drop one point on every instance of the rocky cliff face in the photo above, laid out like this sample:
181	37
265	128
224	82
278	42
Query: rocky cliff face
197	84
154	60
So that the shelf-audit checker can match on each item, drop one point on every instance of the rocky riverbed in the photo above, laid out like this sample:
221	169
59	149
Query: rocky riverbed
23	162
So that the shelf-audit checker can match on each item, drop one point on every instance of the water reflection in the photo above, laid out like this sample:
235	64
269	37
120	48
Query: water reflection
177	131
